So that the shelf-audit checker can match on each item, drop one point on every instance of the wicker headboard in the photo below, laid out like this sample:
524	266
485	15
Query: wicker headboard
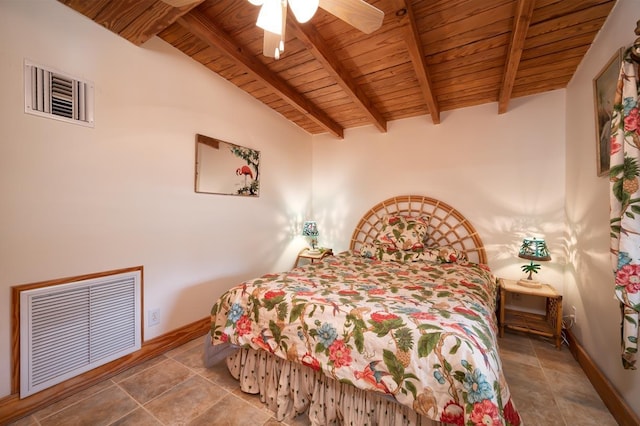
447	227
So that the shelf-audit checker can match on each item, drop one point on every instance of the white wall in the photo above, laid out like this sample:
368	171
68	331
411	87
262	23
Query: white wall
76	200
589	280
505	173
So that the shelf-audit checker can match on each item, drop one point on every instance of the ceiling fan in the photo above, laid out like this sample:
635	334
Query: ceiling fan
273	15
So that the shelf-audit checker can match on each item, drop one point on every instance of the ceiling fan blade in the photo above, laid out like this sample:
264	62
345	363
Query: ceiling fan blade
180	3
356	13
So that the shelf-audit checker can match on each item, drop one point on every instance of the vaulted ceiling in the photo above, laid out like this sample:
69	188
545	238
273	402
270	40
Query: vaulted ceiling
429	56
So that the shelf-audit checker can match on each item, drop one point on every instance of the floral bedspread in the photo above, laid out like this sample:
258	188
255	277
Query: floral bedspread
423	333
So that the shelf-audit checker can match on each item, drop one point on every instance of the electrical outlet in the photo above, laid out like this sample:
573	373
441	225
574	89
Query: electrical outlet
154	317
573	314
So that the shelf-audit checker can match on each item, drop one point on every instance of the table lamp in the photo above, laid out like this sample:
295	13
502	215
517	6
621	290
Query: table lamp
533	249
310	229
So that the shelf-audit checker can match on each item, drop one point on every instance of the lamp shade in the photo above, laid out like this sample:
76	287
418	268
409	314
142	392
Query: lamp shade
303	10
310	229
270	16
534	249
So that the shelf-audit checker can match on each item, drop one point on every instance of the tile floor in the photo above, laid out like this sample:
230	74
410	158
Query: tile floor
548	387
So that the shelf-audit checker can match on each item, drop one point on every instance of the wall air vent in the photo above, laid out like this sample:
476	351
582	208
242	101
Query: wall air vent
52	94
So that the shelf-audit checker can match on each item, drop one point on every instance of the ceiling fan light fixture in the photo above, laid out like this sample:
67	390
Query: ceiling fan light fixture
303	10
270	17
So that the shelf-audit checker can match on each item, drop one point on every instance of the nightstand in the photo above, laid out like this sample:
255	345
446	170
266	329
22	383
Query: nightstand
313	257
549	325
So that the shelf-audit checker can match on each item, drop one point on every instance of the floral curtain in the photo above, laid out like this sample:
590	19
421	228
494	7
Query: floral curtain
625	206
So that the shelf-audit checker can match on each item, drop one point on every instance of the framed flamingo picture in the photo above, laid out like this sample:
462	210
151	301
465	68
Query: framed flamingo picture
226	168
604	89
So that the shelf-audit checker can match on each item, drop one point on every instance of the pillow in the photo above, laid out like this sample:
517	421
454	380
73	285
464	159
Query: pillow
445	254
369	251
403	232
385	251
376	250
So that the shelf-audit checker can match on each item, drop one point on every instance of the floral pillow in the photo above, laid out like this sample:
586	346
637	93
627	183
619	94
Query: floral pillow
445	254
384	251
404	232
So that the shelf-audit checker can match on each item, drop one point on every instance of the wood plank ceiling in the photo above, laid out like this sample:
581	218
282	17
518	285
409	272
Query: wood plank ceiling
428	56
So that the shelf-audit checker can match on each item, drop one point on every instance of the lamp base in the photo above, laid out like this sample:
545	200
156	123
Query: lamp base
313	251
529	283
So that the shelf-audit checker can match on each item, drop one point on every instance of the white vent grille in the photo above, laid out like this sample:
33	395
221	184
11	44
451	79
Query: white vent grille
70	328
52	94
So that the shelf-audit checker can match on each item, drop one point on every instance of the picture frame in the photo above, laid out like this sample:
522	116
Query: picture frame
225	168
604	89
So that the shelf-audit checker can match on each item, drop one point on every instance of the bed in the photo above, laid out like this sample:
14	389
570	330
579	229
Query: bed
399	329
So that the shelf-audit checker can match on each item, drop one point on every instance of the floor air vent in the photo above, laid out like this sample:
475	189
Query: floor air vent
70	328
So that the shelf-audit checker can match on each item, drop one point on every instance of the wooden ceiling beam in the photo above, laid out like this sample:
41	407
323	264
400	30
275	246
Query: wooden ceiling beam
135	21
308	35
156	19
200	26
521	21
407	21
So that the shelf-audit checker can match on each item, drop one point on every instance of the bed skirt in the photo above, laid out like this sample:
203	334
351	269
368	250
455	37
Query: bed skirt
289	389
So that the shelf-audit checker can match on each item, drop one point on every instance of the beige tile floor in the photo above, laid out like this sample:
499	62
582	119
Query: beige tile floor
548	387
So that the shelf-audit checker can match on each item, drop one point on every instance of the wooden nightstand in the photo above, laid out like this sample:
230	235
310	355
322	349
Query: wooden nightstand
313	257
549	325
